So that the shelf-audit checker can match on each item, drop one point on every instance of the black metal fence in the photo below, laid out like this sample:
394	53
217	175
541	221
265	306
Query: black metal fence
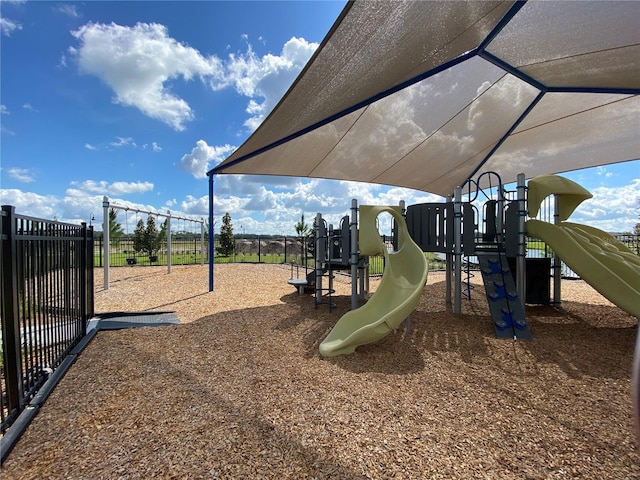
186	249
46	275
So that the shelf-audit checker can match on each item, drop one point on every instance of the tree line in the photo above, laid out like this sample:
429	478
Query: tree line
147	238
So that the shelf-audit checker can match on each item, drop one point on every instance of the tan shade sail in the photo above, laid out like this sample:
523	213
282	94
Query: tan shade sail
428	94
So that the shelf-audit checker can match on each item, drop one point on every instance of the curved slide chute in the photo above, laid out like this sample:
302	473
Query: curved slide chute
399	292
602	261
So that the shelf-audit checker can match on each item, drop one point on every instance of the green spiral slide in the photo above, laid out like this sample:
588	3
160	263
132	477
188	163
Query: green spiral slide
399	292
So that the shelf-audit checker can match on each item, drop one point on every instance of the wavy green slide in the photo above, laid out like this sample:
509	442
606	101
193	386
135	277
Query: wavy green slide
602	261
404	277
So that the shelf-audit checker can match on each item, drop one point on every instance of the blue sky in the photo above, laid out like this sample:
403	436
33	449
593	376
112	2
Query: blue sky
138	100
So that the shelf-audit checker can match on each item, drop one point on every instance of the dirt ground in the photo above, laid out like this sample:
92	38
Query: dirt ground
239	390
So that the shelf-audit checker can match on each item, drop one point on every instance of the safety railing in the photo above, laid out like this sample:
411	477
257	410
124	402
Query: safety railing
46	274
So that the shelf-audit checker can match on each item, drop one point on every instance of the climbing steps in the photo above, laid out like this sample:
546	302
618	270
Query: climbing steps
506	309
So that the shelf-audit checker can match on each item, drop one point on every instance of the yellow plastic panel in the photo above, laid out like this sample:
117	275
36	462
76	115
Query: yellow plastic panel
569	194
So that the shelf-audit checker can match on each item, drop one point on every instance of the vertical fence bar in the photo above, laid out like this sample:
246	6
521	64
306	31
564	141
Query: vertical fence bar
10	313
83	279
90	274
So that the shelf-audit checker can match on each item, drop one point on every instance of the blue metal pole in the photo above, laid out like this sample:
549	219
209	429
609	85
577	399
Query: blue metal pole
211	233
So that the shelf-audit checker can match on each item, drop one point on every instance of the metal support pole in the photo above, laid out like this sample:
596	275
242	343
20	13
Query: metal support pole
211	234
500	215
168	241
521	284
448	268
457	249
105	239
319	259
557	263
353	254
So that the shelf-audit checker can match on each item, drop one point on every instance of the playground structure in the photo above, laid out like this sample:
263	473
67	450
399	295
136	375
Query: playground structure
106	205
453	229
334	249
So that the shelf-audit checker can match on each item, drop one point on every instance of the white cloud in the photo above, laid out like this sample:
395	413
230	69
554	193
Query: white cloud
265	79
603	172
156	147
123	142
24	175
138	63
612	209
76	206
88	146
197	162
272	205
5	111
7	27
29	203
195	206
103	187
69	10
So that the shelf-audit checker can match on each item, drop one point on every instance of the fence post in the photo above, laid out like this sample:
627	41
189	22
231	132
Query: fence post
84	274
11	312
90	268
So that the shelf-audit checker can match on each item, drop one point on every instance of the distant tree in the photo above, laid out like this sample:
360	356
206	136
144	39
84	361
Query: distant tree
115	229
636	229
206	228
301	227
227	244
163	231
146	239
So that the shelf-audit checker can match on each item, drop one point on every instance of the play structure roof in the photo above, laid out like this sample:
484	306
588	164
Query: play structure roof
428	94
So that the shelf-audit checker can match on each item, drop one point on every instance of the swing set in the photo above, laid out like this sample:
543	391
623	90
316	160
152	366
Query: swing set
133	261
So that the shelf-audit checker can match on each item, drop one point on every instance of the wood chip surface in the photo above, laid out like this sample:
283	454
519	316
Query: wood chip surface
238	390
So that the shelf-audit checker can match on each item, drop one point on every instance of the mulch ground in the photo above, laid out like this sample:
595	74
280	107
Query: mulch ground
240	391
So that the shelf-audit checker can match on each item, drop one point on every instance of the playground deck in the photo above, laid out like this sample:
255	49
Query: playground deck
240	391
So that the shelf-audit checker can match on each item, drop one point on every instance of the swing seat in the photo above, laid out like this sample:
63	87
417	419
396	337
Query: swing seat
132	261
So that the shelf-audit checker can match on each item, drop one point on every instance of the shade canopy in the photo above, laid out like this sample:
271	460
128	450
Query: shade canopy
428	94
